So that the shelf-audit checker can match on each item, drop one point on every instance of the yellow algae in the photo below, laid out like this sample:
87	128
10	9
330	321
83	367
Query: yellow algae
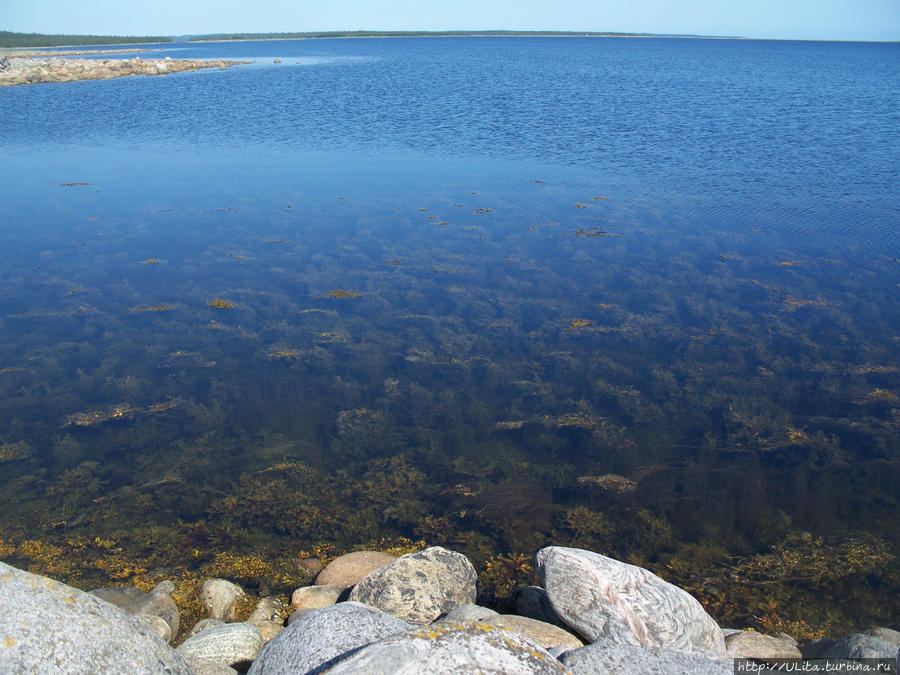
483	209
789	263
882	396
149	261
220	303
795	303
579	205
8	642
342	294
580	323
796	436
606	305
599	199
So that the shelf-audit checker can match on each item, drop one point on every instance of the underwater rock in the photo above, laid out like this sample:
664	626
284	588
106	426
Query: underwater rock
346	570
322	635
49	627
419	587
268	617
450	649
220	597
231	644
602	598
603	657
120	597
314	597
861	646
752	645
545	634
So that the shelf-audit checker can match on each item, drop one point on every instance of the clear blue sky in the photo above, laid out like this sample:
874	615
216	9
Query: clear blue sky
796	19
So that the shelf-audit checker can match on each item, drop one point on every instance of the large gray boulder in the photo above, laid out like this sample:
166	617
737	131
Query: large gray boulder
48	627
602	658
320	635
602	598
861	646
447	649
419	587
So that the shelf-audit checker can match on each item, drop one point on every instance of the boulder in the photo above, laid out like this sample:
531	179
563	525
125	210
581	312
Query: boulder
546	635
419	587
533	602
268	617
751	645
321	635
313	597
602	598
48	627
156	608
202	625
221	597
465	613
347	570
861	646
445	649
231	644
886	634
601	658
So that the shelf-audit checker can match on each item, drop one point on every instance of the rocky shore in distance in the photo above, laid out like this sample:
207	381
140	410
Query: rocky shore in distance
18	69
370	612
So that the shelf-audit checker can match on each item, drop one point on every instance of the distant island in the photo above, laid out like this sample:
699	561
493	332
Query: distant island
9	39
215	37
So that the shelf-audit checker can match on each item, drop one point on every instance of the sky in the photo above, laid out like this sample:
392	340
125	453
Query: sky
780	19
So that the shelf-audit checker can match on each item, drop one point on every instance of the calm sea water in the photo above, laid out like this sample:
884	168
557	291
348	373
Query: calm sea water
639	295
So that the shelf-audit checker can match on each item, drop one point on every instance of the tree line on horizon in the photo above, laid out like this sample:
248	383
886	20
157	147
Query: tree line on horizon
399	33
13	39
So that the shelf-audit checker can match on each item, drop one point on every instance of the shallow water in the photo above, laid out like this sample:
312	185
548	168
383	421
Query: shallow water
468	279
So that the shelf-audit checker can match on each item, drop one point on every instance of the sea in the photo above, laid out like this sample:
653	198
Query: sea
635	295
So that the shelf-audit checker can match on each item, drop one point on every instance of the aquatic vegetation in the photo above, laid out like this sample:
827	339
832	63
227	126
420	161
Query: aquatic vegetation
580	323
342	294
220	303
501	574
151	308
882	396
579	205
592	231
149	261
610	483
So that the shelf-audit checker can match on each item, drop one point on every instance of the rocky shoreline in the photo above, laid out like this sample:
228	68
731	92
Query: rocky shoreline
18	69
371	612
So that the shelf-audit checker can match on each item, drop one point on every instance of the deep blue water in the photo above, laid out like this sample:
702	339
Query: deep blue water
673	260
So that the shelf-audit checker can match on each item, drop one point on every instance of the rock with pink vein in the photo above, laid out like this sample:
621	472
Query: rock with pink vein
602	598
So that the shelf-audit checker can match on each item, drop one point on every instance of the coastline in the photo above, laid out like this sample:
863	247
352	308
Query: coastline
21	70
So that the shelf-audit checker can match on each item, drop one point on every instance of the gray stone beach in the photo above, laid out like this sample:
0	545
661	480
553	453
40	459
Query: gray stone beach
373	613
